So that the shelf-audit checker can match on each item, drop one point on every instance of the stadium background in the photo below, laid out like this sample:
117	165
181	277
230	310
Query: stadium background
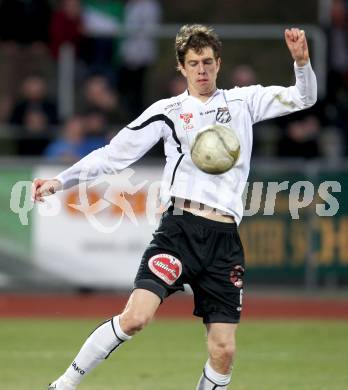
63	94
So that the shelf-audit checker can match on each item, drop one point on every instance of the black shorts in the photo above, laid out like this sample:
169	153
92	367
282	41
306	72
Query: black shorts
188	249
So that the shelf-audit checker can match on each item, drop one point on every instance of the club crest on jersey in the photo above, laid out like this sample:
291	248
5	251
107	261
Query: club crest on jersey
166	267
186	117
223	115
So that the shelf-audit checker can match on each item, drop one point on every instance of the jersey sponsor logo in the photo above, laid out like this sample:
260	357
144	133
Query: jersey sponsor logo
186	117
172	105
207	112
166	267
223	115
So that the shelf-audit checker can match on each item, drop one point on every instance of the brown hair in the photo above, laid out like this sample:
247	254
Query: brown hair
196	37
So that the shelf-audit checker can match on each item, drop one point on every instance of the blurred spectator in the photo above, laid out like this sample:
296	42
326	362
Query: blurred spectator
101	22
301	138
98	95
335	105
66	26
332	146
138	50
34	134
68	148
95	129
242	76
266	139
33	96
265	135
338	46
6	107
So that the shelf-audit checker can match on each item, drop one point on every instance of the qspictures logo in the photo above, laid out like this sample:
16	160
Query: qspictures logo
259	198
116	194
109	198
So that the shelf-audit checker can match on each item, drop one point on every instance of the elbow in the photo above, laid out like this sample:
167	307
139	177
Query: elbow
308	95
310	101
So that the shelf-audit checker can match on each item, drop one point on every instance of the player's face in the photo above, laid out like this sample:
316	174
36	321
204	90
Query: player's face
201	71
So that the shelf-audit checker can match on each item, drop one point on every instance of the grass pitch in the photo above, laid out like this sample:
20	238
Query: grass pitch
169	355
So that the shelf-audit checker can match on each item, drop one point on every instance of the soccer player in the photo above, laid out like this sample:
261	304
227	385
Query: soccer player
191	245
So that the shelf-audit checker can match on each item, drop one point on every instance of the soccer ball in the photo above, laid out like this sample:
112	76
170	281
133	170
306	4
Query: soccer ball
215	149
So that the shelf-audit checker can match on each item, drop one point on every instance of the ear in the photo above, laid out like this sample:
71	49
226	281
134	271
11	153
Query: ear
218	64
182	70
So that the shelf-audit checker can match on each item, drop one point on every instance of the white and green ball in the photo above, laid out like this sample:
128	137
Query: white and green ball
215	149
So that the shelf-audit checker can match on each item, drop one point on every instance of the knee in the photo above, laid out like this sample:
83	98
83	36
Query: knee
132	322
223	353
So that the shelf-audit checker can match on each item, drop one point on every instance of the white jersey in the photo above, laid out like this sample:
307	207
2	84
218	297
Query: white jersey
178	119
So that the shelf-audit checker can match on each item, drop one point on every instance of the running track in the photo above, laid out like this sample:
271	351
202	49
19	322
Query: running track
106	305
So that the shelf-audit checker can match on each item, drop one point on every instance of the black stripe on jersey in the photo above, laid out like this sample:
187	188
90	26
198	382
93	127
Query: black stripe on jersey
176	167
166	120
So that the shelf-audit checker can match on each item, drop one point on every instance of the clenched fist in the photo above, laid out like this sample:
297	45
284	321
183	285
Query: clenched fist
297	44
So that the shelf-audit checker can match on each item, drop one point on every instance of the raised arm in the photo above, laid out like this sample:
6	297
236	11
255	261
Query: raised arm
274	101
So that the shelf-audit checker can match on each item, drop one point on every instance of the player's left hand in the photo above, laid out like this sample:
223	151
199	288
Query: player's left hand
297	44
